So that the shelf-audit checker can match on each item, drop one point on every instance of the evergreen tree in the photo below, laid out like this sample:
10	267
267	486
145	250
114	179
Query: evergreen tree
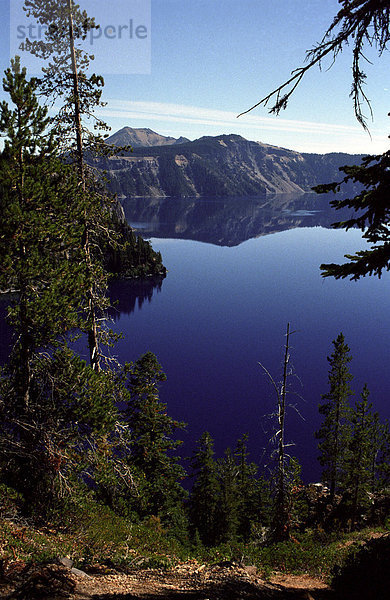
254	501
228	511
65	81
64	78
45	424
68	437
372	217
156	468
334	433
206	492
39	227
359	462
380	457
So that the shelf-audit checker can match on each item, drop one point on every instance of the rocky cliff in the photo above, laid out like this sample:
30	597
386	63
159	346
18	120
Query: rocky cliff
225	165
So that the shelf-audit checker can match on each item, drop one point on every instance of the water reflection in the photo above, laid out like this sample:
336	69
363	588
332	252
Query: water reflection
229	221
127	294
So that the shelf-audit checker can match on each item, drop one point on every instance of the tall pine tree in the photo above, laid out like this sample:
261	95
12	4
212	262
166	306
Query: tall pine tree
205	495
153	444
359	462
39	226
334	433
41	206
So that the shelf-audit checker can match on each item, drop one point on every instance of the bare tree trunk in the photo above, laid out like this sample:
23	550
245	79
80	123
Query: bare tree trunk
25	352
76	98
93	341
281	519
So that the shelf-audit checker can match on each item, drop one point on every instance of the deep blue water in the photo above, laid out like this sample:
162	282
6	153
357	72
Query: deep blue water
225	304
221	310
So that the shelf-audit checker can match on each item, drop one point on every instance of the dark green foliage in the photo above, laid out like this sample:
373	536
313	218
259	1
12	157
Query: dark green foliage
365	573
372	217
228	503
175	181
64	80
156	469
40	227
228	511
362	449
205	494
132	256
380	458
253	492
334	433
68	434
57	78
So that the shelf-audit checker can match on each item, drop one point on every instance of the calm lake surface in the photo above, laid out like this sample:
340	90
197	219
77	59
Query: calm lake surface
224	307
239	270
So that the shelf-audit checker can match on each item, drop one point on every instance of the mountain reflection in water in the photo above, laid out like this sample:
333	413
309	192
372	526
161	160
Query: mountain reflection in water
224	306
229	221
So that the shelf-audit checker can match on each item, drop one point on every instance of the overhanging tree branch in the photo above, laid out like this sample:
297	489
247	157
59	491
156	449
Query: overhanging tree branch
360	22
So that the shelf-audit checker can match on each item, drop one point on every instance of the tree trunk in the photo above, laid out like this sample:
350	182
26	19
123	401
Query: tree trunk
281	521
93	341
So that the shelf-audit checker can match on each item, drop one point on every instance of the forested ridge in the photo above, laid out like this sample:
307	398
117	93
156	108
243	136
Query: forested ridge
90	463
224	165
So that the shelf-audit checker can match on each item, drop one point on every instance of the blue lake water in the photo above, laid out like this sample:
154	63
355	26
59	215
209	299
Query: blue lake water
222	309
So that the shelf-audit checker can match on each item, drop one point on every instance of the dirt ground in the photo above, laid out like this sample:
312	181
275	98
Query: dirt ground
188	581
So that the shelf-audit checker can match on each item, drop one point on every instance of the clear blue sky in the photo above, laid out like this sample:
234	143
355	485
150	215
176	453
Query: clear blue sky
211	59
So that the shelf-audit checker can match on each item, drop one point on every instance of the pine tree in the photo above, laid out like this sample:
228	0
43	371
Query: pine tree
69	437
380	457
39	227
334	433
205	495
45	424
254	501
64	78
65	81
152	443
228	512
372	218
359	462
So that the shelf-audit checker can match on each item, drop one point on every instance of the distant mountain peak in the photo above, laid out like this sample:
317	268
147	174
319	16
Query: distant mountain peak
138	137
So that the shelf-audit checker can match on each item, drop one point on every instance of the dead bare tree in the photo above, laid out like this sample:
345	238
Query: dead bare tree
283	476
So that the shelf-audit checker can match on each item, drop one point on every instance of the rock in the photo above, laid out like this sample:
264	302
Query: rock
250	569
67	562
79	573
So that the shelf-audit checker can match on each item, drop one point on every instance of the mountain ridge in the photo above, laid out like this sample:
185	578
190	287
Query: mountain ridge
224	165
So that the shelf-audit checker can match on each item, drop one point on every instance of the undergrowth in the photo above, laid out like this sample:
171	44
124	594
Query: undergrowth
90	534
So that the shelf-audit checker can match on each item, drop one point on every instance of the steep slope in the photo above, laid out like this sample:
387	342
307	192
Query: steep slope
226	165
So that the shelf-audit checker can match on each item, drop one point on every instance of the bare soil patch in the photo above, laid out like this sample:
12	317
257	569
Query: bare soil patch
188	581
